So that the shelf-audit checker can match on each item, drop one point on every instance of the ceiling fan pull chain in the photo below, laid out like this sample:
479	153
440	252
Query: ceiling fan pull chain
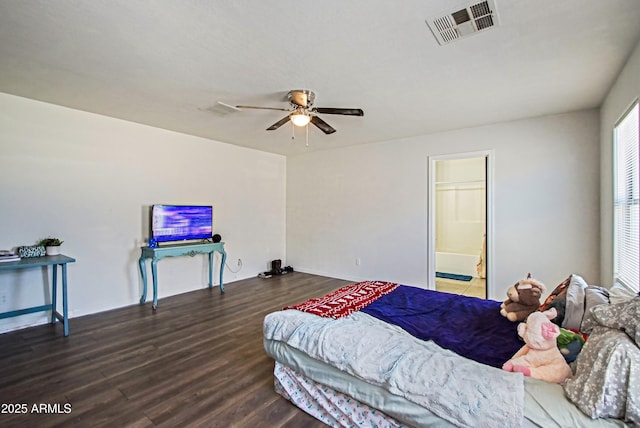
307	128
293	131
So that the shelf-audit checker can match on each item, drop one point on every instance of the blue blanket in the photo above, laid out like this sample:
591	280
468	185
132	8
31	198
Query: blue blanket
468	326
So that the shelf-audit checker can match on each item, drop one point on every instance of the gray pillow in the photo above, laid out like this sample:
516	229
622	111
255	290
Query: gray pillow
620	294
594	296
606	379
574	309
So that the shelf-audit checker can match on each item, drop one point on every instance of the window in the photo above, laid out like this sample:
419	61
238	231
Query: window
626	257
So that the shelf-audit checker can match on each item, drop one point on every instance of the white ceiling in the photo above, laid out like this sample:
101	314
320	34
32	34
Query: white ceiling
163	62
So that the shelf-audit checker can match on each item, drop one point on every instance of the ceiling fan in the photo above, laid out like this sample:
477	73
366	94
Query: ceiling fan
302	111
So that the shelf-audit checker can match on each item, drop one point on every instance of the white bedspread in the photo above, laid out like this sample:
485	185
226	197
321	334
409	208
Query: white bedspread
464	392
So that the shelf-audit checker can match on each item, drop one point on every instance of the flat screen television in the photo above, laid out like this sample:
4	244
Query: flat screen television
181	222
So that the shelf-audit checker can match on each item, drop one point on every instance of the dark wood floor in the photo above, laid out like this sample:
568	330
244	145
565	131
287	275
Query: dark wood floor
198	361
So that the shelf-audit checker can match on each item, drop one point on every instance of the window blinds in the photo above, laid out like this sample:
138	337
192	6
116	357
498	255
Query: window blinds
626	214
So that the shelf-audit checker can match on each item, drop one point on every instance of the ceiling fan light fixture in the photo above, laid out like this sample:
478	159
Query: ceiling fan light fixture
300	118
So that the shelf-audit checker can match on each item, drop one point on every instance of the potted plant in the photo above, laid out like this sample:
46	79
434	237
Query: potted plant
52	245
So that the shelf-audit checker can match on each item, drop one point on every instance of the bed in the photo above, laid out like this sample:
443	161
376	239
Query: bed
382	354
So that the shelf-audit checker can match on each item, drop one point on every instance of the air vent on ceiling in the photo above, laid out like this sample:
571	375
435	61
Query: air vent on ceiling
464	22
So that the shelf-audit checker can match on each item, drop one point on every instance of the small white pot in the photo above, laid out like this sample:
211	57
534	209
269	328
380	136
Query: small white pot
53	251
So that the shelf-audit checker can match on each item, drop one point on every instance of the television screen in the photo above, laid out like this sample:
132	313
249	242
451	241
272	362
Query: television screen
181	222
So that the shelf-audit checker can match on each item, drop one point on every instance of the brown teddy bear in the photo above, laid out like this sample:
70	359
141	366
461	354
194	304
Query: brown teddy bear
523	299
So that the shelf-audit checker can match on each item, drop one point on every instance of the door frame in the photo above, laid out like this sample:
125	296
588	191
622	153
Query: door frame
431	221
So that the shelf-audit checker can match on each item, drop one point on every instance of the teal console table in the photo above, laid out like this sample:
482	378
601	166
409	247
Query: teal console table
159	253
33	262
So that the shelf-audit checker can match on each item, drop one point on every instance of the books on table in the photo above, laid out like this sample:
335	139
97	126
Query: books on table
8	256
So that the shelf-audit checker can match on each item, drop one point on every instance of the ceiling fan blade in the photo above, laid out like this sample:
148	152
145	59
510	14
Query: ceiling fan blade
345	111
324	126
278	124
264	108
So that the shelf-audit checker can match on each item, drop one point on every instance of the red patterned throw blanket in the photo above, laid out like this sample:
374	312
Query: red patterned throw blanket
346	300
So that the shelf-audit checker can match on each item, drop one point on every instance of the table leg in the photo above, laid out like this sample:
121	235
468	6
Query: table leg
65	305
54	293
143	273
154	273
211	269
222	262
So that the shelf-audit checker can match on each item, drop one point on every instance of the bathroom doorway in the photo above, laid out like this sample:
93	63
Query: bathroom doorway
459	224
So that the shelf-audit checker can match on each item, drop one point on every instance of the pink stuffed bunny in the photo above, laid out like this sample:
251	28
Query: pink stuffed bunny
540	357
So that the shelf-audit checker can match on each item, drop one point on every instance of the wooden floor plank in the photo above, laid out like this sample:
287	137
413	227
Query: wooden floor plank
198	361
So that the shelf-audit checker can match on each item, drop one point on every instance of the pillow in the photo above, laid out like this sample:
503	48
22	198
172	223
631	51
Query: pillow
574	309
594	296
557	299
603	385
568	300
620	294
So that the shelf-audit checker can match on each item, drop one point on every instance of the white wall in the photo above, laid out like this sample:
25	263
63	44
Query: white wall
88	179
624	92
369	203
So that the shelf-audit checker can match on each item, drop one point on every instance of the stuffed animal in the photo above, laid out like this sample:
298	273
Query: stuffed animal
523	299
540	357
570	344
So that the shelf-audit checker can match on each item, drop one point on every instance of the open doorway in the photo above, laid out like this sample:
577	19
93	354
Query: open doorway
459	224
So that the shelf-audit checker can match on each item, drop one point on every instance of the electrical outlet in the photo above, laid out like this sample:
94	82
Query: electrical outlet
357	261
